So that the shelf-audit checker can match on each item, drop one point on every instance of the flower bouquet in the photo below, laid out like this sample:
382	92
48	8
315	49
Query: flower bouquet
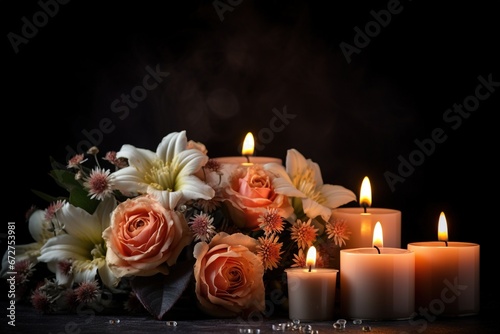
140	230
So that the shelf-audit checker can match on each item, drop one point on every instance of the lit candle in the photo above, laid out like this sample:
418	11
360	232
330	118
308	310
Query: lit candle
446	275
377	283
311	291
361	221
247	158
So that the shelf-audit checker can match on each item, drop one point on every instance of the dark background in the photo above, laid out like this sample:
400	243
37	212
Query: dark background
226	76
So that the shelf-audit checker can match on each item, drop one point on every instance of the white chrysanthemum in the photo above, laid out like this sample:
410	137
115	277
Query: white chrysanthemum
167	174
82	243
317	198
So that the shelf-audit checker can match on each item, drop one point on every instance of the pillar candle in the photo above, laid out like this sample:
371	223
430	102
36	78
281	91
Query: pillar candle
361	221
241	160
247	158
377	283
311	292
446	276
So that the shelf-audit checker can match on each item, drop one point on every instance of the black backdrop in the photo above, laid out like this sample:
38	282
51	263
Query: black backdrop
360	83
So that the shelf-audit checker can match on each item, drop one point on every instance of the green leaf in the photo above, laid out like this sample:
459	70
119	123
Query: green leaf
80	197
44	196
65	179
159	293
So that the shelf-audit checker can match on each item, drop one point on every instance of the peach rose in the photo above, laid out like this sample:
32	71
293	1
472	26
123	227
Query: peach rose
250	192
229	276
144	238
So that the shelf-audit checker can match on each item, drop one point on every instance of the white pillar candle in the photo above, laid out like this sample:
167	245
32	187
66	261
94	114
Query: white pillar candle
361	225
311	292
361	221
377	284
446	276
241	160
247	158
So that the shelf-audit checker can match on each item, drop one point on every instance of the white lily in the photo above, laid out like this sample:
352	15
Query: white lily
167	174
82	244
39	230
315	197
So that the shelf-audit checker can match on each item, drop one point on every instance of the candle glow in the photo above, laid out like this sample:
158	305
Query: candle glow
365	196
311	257
248	145
378	236
442	228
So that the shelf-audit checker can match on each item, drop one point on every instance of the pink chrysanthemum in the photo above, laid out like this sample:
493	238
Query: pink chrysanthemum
271	222
269	251
70	299
65	267
201	226
299	260
41	301
209	205
76	161
23	269
213	165
303	233
338	231
117	162
53	208
87	292
99	183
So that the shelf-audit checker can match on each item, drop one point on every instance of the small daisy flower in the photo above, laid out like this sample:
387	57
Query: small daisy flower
201	226
41	301
303	233
209	205
214	166
65	267
99	183
23	269
271	222
93	150
51	210
76	161
269	251
338	231
299	260
87	292
117	162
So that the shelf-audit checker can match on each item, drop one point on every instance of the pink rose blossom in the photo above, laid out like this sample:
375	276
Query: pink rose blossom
252	195
144	238
229	276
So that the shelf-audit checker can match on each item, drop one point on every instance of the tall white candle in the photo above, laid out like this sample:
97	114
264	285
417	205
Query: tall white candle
377	284
311	291
446	275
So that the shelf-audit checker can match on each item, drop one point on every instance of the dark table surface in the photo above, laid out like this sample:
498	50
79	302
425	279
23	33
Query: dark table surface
27	320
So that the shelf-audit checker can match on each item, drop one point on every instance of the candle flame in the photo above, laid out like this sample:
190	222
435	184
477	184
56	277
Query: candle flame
311	257
248	145
442	228
378	236
365	196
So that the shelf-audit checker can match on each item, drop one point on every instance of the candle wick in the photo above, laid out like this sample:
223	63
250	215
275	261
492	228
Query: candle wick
364	207
310	266
248	158
378	249
446	243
